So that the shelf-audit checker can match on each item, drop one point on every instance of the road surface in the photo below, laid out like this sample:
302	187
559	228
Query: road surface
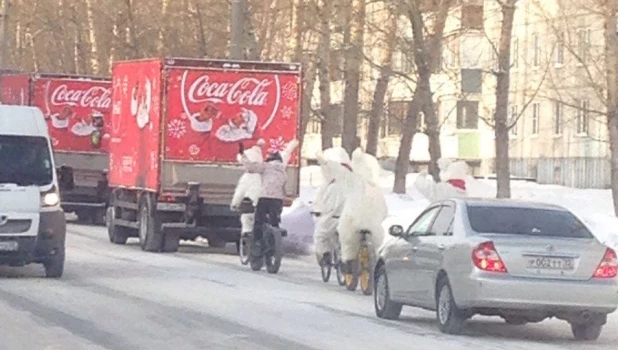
118	297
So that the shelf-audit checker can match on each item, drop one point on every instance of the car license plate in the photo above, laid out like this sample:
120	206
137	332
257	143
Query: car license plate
8	246
549	263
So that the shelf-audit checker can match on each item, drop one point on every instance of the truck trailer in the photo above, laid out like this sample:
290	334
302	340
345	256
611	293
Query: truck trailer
176	125
76	109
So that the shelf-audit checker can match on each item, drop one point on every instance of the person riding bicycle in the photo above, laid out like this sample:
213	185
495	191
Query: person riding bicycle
270	202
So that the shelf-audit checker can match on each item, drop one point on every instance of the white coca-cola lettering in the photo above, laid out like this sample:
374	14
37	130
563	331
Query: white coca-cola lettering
94	97
245	91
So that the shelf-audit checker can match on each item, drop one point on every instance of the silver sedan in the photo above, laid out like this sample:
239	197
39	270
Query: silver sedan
522	261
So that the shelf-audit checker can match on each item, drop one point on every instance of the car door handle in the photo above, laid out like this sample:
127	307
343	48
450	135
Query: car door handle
441	246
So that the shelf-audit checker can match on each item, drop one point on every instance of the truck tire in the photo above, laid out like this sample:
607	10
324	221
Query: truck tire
98	217
150	235
171	243
83	217
117	234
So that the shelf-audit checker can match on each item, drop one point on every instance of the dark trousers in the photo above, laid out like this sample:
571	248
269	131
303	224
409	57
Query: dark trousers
267	209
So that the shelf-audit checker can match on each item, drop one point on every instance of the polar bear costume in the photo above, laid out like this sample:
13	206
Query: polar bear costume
452	181
364	205
328	201
250	184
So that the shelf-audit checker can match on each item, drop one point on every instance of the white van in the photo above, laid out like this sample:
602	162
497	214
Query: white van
32	223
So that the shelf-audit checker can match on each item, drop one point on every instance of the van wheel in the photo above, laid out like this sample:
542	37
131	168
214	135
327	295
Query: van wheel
117	234
54	265
150	235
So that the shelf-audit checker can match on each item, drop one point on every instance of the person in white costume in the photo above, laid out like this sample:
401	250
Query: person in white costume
328	204
452	181
364	205
250	184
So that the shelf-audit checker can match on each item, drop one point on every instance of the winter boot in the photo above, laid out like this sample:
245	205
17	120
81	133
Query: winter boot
327	259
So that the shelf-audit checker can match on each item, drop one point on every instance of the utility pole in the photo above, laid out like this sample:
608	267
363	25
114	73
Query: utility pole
5	32
236	45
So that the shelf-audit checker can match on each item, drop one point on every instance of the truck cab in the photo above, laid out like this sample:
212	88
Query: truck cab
32	222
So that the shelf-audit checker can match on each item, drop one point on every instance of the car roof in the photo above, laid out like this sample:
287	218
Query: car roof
22	121
508	203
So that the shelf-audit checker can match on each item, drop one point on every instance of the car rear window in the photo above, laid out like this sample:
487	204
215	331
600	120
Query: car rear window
526	221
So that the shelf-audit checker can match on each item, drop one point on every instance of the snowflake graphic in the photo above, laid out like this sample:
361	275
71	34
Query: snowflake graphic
176	128
287	112
194	150
290	91
277	145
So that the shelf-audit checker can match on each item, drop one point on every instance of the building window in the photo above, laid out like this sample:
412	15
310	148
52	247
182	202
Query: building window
315	126
560	52
537	49
512	121
471	81
582	117
535	118
515	52
397	111
558	118
583	45
467	114
472	17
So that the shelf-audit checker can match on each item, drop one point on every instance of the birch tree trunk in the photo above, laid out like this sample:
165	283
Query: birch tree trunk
403	157
162	28
327	128
354	59
131	35
92	35
377	105
611	61
503	173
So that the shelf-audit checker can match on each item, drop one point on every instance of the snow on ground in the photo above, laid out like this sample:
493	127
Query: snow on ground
594	207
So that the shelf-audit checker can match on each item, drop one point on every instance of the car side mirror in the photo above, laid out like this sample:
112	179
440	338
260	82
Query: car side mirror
396	230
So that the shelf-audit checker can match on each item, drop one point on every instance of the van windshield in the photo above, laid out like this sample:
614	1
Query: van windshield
25	161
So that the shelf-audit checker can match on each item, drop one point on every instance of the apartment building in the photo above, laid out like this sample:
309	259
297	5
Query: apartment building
557	90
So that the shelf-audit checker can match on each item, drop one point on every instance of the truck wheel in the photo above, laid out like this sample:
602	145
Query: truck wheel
171	243
150	235
117	234
54	265
98	217
216	242
83	217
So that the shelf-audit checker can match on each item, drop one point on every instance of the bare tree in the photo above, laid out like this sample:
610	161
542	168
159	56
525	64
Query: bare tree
385	69
611	57
353	62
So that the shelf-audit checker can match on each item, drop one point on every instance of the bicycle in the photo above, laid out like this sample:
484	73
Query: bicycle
244	247
336	263
272	249
361	268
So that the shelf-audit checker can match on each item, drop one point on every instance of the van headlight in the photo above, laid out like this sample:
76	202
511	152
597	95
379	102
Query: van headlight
50	199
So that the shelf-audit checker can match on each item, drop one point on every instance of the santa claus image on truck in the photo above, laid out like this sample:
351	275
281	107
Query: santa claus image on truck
240	127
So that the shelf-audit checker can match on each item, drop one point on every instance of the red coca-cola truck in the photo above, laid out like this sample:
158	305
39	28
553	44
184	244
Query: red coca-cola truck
175	130
77	112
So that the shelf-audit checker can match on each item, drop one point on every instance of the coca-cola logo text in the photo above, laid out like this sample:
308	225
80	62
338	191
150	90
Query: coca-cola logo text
94	97
245	91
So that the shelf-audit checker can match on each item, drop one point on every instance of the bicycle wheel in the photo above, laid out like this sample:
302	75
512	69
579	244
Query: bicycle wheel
274	252
325	269
366	261
244	248
338	267
351	275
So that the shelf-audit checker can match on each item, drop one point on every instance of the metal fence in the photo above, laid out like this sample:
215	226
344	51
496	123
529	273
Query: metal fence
570	172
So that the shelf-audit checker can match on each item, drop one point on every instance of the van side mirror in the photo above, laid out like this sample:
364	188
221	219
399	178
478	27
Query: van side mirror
396	230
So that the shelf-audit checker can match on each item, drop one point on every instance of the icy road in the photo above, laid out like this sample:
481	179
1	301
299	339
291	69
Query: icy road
118	297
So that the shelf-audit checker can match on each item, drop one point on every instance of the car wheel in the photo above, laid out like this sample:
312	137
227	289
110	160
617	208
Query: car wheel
54	266
587	331
450	318
384	306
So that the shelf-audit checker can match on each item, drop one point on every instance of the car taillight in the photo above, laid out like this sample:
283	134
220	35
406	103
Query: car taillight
485	257
608	268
